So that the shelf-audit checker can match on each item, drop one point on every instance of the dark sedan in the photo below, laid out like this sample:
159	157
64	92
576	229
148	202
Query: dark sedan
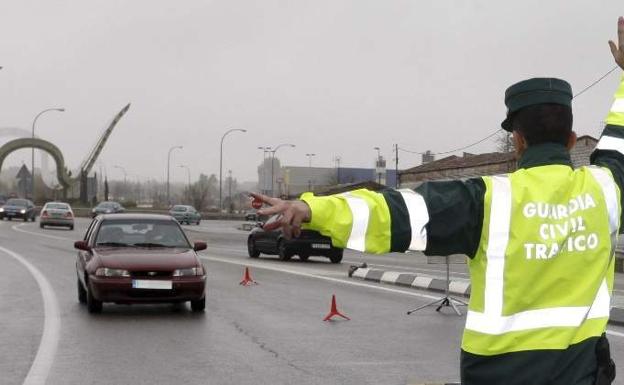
107	207
136	258
18	209
309	243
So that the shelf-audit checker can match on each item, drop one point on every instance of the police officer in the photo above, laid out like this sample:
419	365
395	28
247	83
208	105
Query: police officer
541	240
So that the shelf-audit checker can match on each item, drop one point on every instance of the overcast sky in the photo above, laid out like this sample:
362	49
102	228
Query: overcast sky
334	77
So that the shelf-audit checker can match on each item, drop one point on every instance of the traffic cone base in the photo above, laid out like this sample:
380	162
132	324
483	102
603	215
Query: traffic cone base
247	281
334	311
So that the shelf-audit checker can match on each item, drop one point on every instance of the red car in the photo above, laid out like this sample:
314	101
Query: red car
139	258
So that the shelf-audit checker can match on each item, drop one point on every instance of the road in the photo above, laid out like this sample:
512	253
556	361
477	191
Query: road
270	333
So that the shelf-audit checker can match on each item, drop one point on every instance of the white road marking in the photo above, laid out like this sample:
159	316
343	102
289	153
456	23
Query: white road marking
17	228
38	373
278	269
316	276
336	280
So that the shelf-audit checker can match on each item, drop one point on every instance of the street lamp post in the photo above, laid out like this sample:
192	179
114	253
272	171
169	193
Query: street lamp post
377	164
168	167
310	170
188	173
273	162
221	165
125	177
32	161
263	176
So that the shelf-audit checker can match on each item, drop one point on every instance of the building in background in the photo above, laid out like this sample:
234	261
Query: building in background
475	165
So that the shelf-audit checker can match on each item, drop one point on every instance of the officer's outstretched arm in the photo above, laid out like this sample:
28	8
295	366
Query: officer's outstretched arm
609	151
439	218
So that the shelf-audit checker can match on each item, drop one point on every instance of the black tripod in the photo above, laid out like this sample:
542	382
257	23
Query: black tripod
447	300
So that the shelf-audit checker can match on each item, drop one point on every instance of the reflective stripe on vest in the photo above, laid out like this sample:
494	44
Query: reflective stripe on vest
360	213
418	217
492	321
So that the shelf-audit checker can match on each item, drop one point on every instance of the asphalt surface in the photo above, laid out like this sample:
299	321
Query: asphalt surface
270	333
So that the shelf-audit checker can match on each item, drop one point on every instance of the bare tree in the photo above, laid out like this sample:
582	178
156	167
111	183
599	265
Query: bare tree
204	191
504	142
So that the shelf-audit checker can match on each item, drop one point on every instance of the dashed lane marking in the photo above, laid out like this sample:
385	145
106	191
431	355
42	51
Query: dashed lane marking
42	363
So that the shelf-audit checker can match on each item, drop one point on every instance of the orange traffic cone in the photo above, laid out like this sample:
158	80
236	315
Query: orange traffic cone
334	311
247	279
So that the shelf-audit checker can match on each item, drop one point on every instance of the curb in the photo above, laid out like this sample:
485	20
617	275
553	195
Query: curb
417	281
424	282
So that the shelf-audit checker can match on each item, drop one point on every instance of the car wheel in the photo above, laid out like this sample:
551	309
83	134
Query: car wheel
198	305
71	227
41	225
284	255
198	222
10	218
25	219
251	248
304	257
82	293
93	305
336	256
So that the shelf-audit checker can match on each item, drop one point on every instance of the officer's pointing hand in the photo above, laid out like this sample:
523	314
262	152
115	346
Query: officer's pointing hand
618	50
292	214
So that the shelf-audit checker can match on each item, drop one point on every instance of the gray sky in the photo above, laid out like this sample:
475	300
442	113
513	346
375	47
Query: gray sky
334	77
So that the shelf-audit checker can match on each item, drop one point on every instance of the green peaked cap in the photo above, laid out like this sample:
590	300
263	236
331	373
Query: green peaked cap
536	91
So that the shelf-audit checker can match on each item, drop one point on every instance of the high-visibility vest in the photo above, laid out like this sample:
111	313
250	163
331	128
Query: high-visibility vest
542	276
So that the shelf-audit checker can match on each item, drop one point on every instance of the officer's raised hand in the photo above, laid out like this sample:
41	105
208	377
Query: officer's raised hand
292	214
618	50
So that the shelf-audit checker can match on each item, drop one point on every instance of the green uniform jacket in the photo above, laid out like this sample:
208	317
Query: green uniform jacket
451	224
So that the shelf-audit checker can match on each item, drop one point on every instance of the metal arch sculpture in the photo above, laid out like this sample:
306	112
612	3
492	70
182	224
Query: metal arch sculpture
61	172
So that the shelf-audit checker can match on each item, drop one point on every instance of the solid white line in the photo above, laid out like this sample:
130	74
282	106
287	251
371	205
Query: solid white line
42	363
17	228
614	333
321	277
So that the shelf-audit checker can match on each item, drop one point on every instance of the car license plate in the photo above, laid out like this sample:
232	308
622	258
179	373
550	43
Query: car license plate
320	246
151	284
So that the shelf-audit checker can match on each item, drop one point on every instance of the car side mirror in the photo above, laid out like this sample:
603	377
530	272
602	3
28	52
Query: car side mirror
199	246
82	245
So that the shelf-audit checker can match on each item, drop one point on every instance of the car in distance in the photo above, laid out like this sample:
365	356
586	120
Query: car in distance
18	208
107	207
56	214
138	258
309	243
185	214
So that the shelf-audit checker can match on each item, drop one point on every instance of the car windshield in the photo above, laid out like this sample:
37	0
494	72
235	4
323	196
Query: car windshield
179	208
106	205
57	206
17	202
141	233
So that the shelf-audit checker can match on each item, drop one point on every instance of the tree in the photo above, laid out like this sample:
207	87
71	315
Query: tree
204	191
504	142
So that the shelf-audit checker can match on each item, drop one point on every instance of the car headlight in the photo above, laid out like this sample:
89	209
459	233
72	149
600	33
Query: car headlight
193	271
106	272
23	211
1	209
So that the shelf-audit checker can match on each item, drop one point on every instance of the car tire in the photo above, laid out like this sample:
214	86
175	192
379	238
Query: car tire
82	293
93	305
335	256
252	250
9	218
41	226
283	252
198	222
25	219
71	227
198	305
304	257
